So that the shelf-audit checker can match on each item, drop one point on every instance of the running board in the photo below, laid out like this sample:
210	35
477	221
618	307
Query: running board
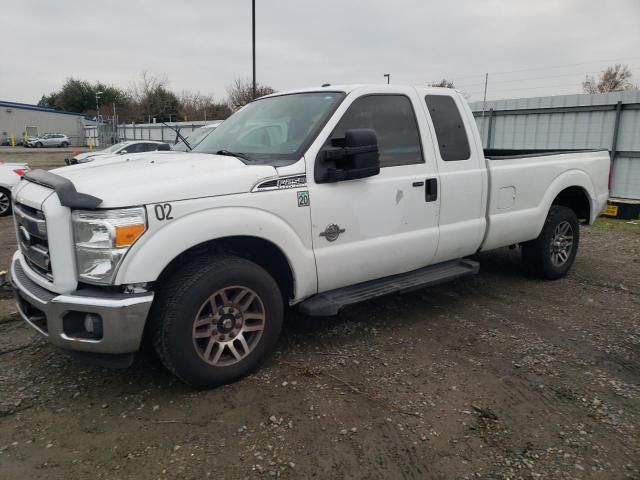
330	303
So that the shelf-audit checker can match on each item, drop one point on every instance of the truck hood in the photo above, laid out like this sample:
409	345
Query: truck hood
127	180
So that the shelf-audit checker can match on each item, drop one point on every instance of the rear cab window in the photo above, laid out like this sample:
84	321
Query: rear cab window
450	131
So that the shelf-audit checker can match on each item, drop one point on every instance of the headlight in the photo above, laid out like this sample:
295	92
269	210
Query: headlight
102	238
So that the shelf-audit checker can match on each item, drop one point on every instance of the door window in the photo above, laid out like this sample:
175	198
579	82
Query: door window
394	121
450	131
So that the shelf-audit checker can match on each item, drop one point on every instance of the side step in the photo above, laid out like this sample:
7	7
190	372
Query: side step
330	303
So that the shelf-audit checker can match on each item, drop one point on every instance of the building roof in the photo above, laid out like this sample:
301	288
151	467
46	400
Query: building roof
37	108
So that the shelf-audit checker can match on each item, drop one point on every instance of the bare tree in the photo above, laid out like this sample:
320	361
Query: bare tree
443	83
196	106
614	79
152	98
241	92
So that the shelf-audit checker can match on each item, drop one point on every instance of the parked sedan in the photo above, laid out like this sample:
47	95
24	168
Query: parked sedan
135	146
49	140
10	174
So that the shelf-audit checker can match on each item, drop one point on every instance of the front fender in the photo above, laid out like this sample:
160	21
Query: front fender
163	242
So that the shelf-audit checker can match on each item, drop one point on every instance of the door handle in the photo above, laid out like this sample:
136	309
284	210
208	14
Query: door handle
431	190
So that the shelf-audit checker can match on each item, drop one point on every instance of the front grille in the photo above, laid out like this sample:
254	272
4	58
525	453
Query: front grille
31	229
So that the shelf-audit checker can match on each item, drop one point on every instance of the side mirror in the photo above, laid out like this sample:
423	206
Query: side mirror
164	147
122	152
357	157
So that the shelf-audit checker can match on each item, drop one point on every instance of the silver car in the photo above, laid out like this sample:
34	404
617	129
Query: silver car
49	140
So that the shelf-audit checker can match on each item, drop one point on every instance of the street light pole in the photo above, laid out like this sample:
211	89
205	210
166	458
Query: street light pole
253	42
98	94
388	75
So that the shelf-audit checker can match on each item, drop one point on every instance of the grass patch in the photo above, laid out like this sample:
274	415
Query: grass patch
604	224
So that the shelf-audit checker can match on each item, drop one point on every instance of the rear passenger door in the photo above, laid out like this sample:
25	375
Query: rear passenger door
382	225
462	172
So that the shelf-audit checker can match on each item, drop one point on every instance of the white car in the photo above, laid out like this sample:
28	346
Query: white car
49	140
10	174
195	137
134	146
317	198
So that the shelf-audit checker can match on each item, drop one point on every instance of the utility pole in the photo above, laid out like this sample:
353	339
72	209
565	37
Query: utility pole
253	42
388	75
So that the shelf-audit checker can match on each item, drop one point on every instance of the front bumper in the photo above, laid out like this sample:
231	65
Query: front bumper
60	317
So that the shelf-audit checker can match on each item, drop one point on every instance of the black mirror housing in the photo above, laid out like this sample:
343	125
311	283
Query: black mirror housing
358	158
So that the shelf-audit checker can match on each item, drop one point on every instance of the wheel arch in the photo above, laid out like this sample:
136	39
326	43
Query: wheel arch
572	189
577	199
258	250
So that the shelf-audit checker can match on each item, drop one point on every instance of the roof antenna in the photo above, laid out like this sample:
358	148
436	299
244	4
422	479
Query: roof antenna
326	84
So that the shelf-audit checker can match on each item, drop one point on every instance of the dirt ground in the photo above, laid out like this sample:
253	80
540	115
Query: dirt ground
46	158
493	376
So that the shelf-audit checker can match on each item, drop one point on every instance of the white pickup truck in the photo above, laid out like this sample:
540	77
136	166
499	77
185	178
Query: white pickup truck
319	198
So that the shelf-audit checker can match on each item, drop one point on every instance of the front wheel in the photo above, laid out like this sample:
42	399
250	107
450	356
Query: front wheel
39	145
5	202
552	254
64	144
216	320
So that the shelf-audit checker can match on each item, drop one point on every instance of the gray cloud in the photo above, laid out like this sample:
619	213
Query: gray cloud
202	45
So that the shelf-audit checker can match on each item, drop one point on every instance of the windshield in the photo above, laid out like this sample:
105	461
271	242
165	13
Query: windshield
194	139
273	128
115	148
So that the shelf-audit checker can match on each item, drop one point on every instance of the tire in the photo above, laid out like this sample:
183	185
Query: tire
64	144
39	145
194	326
5	202
551	255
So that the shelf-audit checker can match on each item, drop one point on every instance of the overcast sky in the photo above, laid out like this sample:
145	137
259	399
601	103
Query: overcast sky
528	47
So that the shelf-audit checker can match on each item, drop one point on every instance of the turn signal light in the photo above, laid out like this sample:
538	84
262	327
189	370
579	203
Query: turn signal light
127	234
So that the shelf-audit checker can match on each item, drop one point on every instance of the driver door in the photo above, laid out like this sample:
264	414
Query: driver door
383	225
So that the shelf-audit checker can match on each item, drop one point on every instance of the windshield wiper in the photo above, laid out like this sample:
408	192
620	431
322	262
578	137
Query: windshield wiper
179	135
227	153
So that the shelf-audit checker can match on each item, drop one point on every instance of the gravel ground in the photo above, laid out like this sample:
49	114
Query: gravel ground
493	376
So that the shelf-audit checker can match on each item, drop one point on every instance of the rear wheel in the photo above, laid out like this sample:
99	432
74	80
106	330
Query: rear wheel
216	320
552	254
5	202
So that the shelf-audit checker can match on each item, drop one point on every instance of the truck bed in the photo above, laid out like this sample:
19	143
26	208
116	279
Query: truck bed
523	185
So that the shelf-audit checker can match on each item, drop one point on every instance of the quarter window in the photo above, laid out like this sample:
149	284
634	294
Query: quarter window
394	121
450	131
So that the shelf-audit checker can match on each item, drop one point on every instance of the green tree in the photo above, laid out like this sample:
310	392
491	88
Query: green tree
80	96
